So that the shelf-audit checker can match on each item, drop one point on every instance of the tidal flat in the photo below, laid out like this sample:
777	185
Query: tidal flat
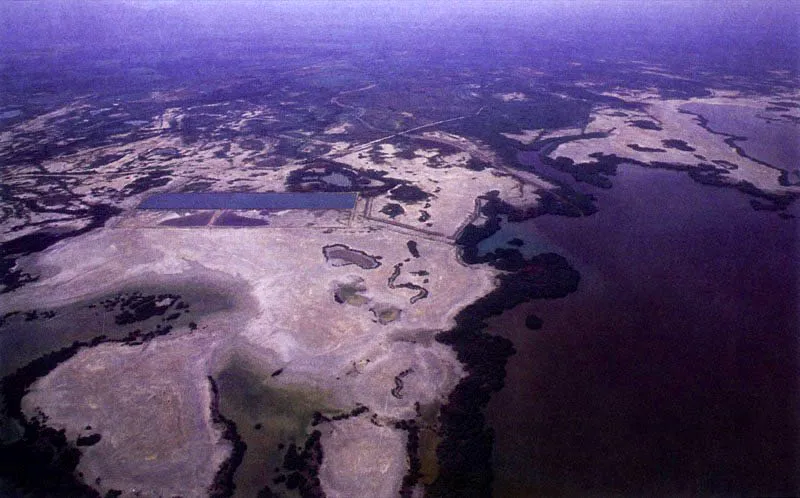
346	350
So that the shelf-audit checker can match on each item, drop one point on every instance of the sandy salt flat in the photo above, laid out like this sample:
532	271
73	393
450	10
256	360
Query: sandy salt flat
286	314
151	406
373	457
293	323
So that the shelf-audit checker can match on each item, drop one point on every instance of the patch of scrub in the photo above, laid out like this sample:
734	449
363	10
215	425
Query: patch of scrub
341	255
645	124
673	143
408	193
392	210
639	148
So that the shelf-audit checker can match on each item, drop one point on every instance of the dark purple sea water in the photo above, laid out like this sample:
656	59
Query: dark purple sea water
674	367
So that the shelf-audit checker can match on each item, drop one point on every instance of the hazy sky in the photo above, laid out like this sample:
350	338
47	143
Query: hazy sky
39	24
577	12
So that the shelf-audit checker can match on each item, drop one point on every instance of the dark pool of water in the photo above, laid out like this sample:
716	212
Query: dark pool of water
337	179
250	200
777	144
341	255
229	219
674	367
22	341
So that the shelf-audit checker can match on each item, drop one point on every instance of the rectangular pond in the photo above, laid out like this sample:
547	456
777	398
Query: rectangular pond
250	200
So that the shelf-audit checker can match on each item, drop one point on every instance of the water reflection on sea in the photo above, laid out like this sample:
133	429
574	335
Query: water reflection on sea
673	367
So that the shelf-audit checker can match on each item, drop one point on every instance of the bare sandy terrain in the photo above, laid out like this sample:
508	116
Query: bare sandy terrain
370	454
351	353
702	147
160	389
450	186
151	406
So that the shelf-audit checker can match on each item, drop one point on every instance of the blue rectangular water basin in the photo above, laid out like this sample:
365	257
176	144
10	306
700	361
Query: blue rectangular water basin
250	200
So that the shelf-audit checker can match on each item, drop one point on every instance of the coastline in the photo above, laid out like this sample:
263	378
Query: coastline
465	452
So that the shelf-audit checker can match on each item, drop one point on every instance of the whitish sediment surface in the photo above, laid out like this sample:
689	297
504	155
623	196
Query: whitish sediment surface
364	452
151	406
150	403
